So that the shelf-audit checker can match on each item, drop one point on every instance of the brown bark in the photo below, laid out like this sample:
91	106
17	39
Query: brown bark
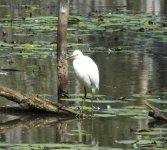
33	103
62	67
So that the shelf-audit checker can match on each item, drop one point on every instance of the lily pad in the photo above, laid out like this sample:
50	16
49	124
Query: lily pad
139	142
126	141
104	115
158	101
43	146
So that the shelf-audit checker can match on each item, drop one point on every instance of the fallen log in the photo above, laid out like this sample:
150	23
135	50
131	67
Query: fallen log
34	103
155	112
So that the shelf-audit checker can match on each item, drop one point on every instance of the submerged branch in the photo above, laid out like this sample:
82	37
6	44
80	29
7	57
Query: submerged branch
155	112
157	89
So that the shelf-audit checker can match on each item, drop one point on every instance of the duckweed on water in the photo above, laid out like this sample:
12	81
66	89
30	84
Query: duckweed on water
107	107
157	100
52	146
156	139
42	146
81	28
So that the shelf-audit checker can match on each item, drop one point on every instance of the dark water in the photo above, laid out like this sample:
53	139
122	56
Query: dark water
121	75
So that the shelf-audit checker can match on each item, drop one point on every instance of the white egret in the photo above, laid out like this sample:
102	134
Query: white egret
86	71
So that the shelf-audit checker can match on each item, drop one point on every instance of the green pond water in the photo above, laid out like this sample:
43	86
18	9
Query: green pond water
127	40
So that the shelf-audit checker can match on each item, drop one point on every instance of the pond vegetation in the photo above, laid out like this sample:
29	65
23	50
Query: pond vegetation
140	26
126	33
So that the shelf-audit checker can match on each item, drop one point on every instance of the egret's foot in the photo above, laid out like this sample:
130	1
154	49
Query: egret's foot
96	108
78	109
64	95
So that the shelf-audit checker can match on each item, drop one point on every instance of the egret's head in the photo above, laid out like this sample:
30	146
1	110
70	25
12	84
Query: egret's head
76	54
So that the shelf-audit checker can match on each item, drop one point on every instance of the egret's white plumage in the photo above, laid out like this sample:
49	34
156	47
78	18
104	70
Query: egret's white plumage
86	71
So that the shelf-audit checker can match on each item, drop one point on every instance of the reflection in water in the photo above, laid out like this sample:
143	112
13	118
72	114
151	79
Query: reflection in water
49	129
155	7
43	129
26	128
21	8
146	74
36	76
121	74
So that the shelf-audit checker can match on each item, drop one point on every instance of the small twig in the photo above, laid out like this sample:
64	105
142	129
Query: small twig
156	89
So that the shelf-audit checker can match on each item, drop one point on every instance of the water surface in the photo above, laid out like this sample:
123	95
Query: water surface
122	74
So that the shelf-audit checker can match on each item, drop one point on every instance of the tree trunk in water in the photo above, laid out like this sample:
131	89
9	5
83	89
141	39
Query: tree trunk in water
62	48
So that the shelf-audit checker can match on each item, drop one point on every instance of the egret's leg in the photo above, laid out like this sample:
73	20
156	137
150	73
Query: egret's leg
85	93
92	105
93	95
83	101
78	109
94	98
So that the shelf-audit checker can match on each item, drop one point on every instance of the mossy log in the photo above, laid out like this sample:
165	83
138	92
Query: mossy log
35	104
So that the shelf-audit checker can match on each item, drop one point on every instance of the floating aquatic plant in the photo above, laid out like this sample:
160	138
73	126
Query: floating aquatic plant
142	25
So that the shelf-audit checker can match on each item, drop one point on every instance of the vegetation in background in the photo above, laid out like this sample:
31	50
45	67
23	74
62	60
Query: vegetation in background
36	36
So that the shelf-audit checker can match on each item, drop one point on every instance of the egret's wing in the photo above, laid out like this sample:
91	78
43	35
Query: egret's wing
93	71
87	71
80	69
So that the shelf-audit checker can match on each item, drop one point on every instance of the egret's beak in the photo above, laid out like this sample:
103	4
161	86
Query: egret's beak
70	57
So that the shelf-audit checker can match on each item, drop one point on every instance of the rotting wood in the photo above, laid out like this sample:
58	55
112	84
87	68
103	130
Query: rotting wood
155	112
34	103
62	65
